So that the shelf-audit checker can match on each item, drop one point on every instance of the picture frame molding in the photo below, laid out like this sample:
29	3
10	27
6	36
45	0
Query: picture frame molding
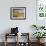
14	18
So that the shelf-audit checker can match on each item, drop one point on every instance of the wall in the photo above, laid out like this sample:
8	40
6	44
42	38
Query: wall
24	25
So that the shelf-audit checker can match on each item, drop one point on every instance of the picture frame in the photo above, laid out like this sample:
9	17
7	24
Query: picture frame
18	13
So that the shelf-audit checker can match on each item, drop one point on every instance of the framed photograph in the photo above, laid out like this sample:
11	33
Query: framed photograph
41	8
17	13
41	12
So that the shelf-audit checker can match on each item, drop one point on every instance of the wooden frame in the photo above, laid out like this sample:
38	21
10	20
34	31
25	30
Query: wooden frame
18	13
6	43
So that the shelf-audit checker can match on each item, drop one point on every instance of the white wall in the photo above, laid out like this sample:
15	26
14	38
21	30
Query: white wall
24	25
